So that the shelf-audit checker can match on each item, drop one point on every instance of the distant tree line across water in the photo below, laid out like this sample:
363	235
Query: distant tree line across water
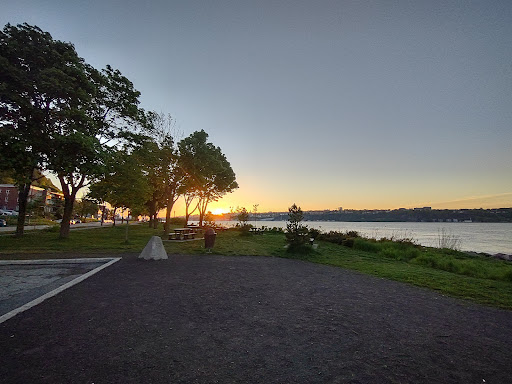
498	215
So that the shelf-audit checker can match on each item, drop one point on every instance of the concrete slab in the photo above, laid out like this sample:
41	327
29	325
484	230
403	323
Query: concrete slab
25	283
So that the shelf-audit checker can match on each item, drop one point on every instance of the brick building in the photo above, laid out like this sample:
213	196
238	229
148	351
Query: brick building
9	197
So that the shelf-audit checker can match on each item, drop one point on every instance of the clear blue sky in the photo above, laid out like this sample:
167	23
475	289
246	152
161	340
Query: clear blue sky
356	104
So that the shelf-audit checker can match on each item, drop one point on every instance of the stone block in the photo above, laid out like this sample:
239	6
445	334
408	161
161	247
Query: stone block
154	250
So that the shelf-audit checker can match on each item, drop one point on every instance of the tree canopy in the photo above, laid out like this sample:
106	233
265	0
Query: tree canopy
209	172
59	114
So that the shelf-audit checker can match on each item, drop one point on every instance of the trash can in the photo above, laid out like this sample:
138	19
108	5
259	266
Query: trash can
209	238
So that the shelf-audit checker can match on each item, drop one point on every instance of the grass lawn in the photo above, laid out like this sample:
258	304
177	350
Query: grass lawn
476	278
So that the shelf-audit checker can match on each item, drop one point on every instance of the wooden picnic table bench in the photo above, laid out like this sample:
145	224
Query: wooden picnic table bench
182	234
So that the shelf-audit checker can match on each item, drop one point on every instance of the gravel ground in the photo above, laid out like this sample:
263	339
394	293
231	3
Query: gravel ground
216	319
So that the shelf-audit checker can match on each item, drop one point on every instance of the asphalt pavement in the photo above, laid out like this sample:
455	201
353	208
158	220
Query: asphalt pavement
218	319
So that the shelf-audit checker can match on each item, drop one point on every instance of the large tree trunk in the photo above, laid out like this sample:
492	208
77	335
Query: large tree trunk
69	200
23	191
167	226
170	204
126	232
103	215
203	204
152	213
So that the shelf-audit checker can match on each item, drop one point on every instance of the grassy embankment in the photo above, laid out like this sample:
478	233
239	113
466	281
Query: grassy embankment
477	278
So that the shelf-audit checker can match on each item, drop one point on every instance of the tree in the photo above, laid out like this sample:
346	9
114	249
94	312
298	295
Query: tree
189	191
58	114
296	233
209	174
90	136
151	159
167	168
38	77
242	216
124	185
85	207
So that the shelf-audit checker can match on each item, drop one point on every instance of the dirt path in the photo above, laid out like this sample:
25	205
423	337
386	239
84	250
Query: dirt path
214	319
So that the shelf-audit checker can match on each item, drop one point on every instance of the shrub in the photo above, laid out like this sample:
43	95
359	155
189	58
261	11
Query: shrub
366	245
296	233
447	240
245	229
314	233
242	216
179	221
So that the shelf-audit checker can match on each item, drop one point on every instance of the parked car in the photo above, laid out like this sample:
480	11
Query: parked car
8	212
3	223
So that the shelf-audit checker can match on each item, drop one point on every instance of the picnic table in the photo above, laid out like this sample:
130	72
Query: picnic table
183	234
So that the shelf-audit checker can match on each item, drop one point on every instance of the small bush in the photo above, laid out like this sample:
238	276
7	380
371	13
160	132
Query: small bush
447	240
245	229
296	233
314	233
340	238
179	221
352	234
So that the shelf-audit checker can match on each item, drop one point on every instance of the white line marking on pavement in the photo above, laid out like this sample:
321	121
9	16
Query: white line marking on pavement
58	290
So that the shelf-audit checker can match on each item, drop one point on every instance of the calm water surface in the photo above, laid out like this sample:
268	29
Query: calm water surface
478	237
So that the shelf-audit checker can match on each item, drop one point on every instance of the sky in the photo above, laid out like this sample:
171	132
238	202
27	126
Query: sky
326	104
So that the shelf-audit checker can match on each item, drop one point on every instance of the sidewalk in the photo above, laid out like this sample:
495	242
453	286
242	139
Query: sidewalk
216	319
95	224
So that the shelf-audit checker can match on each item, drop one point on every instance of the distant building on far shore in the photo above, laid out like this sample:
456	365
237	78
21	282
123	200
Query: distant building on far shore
423	209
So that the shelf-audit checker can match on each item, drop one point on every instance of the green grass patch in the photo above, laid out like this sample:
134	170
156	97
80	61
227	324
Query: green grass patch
473	277
93	240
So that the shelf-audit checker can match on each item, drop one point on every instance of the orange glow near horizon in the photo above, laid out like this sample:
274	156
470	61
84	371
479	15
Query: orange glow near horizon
219	211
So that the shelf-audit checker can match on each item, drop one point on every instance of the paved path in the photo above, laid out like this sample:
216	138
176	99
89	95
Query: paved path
214	319
93	224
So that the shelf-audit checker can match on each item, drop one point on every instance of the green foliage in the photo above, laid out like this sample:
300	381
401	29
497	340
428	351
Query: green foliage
43	87
209	220
85	207
178	221
243	218
57	113
314	233
209	173
405	250
166	177
340	238
296	233
124	185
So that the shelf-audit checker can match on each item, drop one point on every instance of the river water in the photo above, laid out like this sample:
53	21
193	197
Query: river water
490	238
